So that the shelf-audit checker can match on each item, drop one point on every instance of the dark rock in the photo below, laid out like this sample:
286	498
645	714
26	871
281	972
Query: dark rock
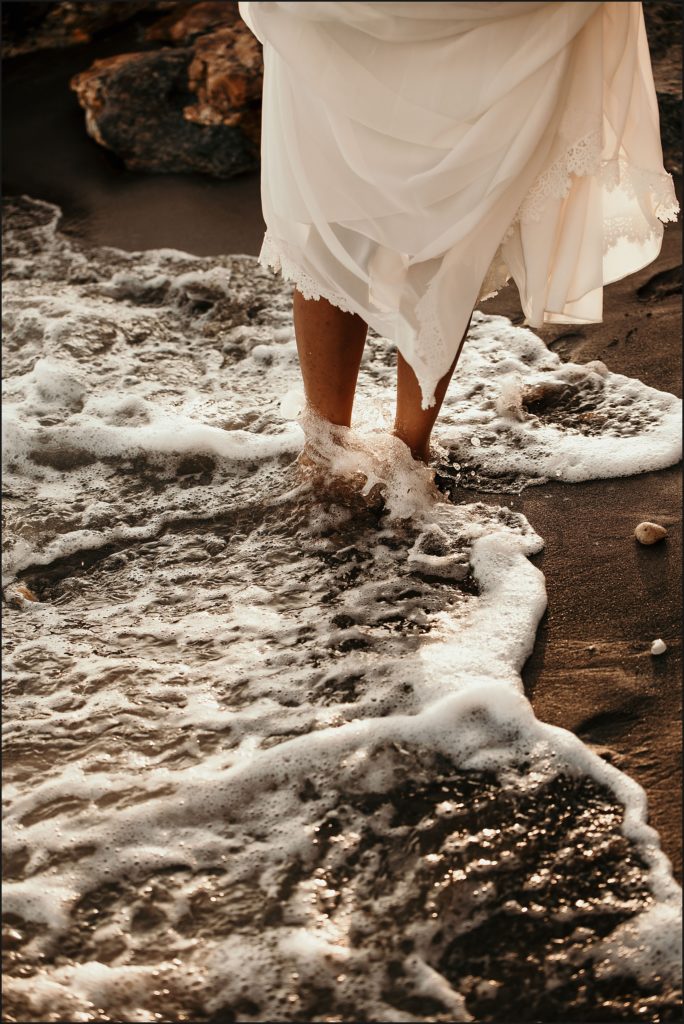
187	21
136	106
45	25
226	74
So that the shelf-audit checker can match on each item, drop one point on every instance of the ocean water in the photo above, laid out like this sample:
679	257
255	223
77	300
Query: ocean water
267	751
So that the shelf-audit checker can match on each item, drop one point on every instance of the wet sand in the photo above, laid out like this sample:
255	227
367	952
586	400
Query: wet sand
223	610
48	155
591	670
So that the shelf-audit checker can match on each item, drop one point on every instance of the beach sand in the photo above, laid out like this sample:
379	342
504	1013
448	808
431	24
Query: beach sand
591	670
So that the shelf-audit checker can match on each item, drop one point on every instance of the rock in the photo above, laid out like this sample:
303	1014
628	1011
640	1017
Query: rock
650	533
226	74
29	26
227	70
182	26
19	594
136	106
658	647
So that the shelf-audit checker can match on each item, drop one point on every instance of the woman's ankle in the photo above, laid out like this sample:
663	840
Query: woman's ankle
419	448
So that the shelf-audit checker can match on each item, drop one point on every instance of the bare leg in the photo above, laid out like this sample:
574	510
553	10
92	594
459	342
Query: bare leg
330	345
413	425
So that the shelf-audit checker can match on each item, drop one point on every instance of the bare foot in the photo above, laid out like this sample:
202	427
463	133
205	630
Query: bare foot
421	453
378	467
317	471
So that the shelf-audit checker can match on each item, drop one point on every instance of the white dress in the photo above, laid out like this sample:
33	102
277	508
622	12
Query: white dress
417	155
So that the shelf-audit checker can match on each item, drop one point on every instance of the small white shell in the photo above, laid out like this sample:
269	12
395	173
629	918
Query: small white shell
658	646
650	533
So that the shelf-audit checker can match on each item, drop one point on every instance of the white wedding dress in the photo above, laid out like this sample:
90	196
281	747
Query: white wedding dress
417	155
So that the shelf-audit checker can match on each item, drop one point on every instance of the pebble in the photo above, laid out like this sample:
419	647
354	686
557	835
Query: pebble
658	647
649	533
19	595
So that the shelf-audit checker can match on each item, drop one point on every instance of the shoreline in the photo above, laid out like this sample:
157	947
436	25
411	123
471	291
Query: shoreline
591	671
604	591
300	656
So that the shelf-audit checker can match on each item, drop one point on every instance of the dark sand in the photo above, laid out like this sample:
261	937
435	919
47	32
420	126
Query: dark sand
47	154
591	670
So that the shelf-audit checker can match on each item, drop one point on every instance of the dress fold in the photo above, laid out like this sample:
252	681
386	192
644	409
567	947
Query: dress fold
416	156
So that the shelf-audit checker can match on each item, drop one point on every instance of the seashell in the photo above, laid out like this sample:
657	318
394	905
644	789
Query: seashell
658	646
649	533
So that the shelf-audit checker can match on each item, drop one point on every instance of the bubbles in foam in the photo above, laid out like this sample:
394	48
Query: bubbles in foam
269	752
648	945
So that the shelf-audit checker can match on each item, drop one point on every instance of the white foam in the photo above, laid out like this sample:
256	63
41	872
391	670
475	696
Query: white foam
648	945
190	713
608	425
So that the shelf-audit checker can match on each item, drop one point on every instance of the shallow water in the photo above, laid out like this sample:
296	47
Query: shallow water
48	153
267	751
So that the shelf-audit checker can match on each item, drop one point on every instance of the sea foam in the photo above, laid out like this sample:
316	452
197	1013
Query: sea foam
269	754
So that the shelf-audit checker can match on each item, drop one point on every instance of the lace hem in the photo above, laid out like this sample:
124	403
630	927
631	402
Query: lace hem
582	159
278	256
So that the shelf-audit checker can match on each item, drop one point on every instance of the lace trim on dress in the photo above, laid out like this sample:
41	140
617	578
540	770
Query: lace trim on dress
582	159
279	256
634	182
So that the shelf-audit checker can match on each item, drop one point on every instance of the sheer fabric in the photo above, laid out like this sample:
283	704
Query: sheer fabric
417	155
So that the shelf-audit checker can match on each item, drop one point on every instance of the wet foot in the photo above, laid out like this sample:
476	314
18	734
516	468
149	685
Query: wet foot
419	452
320	475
